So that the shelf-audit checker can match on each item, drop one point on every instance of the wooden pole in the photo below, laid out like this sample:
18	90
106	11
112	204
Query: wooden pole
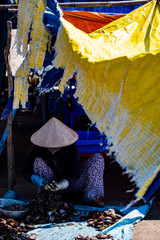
10	154
86	4
44	108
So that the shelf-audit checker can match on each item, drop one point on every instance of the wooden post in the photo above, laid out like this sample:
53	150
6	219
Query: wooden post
43	108
10	153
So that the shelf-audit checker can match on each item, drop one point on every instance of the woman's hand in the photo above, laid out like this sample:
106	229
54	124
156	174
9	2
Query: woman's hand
40	182
54	186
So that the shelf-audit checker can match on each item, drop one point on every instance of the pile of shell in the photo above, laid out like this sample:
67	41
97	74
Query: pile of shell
49	207
12	229
15	207
102	220
45	207
97	237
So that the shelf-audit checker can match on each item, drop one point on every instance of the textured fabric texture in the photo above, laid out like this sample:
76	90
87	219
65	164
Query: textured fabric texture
91	176
85	21
117	80
118	85
32	41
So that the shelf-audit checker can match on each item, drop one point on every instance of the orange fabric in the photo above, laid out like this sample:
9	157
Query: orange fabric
89	21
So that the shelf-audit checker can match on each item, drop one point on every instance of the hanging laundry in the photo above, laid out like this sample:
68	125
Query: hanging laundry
117	77
118	85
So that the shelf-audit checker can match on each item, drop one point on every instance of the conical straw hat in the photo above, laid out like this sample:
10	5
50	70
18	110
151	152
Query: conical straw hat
54	134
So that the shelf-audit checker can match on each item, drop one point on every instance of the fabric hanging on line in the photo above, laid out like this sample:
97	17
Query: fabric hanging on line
85	21
117	79
117	85
32	37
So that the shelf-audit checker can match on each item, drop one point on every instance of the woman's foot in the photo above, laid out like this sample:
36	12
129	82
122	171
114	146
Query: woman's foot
94	202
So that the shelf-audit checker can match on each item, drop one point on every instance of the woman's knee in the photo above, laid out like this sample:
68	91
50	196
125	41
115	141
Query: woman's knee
100	159
97	159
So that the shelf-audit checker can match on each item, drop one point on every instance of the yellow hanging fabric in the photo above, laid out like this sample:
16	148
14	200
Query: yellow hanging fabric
30	15
118	85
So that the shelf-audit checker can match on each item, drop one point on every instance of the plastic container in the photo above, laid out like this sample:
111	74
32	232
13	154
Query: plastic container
91	142
12	214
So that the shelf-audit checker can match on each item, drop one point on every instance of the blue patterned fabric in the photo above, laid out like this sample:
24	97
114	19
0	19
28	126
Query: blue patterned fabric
13	1
51	19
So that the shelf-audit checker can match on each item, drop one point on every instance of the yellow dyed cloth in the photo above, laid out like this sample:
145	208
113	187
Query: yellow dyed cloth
30	15
118	85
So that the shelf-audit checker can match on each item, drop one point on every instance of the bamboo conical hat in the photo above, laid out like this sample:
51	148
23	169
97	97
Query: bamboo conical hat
53	134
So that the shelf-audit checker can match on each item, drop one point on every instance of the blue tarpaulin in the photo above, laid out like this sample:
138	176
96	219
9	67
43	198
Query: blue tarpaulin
152	188
122	230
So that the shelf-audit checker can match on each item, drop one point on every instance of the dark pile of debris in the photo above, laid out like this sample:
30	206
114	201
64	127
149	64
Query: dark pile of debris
11	229
49	207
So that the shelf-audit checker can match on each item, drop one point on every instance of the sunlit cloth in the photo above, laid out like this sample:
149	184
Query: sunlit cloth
118	85
33	44
117	80
85	21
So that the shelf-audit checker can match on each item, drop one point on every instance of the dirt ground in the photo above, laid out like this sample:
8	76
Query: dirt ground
115	182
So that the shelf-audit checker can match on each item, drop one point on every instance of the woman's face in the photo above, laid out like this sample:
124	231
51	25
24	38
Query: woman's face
53	150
